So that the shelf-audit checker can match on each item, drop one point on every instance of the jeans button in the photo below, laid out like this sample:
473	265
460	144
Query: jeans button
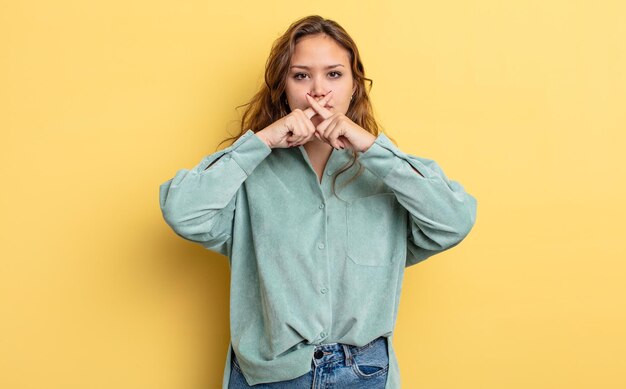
318	354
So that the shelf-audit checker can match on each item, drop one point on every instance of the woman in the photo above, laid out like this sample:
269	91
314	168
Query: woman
316	272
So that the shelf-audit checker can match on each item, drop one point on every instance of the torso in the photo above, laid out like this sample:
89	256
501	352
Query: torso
318	153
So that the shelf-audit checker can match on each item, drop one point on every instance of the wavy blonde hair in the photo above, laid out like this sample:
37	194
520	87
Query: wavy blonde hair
270	103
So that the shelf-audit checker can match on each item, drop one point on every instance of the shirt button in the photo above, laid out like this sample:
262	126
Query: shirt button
323	290
320	246
321	206
329	173
323	334
226	158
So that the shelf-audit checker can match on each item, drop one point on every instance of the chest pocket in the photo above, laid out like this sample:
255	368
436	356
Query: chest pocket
376	229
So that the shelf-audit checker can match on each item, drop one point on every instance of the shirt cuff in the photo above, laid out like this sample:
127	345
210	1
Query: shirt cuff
383	156
249	150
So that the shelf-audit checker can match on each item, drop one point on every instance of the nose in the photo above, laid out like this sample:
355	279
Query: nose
318	95
319	90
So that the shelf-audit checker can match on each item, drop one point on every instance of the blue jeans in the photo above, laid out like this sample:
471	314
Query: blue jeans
337	365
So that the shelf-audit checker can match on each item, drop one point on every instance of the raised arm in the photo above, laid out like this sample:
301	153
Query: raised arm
199	204
441	213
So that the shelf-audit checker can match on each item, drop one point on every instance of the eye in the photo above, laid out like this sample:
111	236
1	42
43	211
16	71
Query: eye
300	76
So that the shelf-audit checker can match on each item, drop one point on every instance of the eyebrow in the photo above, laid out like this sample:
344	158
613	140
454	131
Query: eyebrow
306	67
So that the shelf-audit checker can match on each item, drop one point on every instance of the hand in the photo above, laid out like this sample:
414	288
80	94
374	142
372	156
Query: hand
338	130
293	129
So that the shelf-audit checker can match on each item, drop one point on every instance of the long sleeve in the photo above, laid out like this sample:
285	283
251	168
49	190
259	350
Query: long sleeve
199	204
441	213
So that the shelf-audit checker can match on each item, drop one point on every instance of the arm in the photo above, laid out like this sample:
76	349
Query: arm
199	204
441	213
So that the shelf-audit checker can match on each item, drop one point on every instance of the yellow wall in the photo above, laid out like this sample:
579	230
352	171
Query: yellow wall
522	102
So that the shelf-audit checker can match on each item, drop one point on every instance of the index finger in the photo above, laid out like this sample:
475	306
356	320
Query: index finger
313	110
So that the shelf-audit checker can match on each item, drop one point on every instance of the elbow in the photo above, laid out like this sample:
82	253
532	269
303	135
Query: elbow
442	240
180	212
195	216
202	228
465	220
205	226
170	211
174	220
438	236
184	221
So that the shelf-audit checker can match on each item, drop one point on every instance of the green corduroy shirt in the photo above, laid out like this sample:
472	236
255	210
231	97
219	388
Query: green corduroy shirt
308	267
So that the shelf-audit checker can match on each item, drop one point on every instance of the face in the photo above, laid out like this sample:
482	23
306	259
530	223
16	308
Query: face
319	65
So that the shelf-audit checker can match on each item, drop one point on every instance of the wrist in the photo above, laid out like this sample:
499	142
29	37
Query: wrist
261	136
372	141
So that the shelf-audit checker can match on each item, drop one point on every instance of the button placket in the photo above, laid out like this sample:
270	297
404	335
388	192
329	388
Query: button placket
321	245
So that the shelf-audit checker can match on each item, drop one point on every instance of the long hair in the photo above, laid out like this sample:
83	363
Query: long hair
270	103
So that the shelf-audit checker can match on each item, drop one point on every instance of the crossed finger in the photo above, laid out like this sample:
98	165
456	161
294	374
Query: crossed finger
318	106
331	129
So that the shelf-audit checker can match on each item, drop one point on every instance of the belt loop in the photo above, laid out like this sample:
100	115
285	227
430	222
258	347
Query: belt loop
346	351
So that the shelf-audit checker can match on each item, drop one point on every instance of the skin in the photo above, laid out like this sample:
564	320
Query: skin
317	52
319	98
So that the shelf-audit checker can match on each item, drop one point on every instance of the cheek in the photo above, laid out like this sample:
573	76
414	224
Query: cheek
343	98
295	94
343	93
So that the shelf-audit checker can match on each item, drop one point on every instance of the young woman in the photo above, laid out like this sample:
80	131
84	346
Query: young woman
319	214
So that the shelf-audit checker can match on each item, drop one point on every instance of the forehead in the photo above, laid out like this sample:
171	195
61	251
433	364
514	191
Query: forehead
319	51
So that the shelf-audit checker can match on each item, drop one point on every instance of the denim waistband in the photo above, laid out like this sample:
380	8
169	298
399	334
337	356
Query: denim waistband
338	351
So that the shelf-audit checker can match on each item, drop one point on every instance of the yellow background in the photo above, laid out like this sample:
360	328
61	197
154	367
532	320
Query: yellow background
522	102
